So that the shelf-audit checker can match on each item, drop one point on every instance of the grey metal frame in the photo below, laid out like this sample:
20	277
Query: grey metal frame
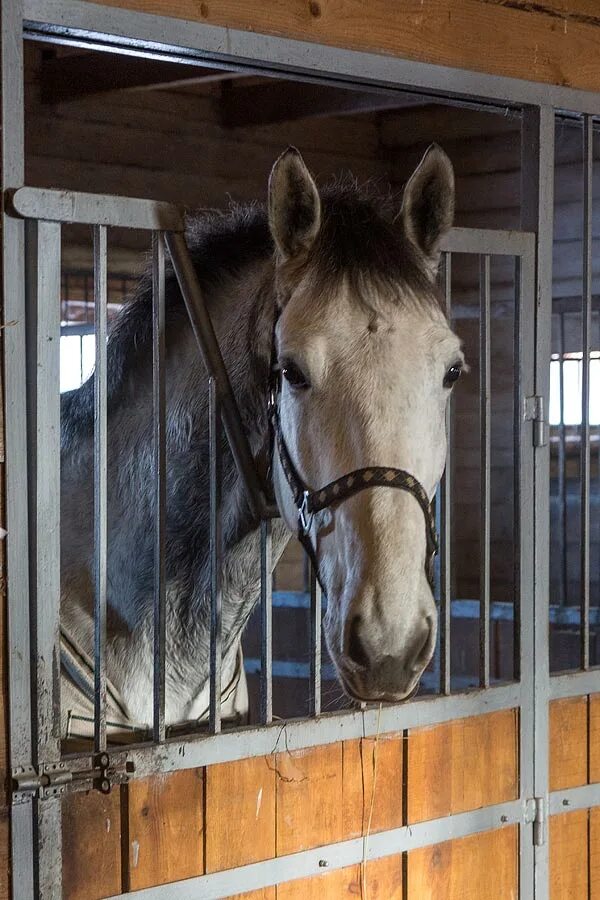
36	815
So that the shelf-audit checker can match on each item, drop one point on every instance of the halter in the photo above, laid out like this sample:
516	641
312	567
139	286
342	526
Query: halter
308	502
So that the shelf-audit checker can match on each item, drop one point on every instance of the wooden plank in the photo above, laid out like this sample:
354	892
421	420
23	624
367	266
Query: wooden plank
569	855
482	865
309	798
5	891
91	833
240	801
165	829
594	741
66	78
268	893
525	41
381	880
568	743
358	760
462	765
283	101
594	832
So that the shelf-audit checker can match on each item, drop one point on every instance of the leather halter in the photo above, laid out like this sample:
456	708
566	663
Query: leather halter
308	502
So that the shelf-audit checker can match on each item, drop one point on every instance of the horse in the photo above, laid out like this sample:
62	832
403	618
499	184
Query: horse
335	289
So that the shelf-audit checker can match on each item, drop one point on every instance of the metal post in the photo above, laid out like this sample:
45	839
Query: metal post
485	470
100	486
16	511
538	216
586	321
562	467
446	519
266	623
43	365
160	476
214	415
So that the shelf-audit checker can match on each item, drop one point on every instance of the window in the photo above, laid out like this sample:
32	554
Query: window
76	356
572	366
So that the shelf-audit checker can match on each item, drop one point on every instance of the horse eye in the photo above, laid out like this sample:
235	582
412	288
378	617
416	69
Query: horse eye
294	376
452	375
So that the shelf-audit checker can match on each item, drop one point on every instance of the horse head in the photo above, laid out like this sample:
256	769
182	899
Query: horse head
367	362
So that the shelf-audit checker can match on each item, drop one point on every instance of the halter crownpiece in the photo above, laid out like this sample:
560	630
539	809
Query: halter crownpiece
308	502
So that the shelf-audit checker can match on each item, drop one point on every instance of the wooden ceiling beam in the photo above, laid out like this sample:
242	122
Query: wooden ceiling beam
283	101
65	78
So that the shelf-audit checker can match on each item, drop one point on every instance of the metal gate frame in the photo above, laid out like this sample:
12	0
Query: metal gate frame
35	821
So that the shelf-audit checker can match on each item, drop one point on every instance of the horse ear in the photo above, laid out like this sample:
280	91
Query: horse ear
294	205
428	203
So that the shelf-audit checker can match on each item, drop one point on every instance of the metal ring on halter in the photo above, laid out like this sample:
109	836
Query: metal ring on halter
304	517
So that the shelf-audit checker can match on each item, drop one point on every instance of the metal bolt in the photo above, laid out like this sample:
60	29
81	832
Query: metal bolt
323	863
565	802
504	818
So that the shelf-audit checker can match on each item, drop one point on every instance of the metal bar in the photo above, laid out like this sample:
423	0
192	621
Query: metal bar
160	476
523	294
209	348
216	655
43	363
100	486
316	606
562	467
266	623
488	242
16	445
446	518
537	191
574	684
568	800
586	320
485	469
183	40
75	207
311	863
249	742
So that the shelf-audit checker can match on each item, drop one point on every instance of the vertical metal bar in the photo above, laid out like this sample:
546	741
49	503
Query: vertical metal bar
266	622
43	363
562	466
315	644
537	191
586	322
16	509
484	415
446	521
214	415
517	460
160	478
100	486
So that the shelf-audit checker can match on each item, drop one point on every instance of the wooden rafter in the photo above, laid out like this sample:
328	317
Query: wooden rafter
67	78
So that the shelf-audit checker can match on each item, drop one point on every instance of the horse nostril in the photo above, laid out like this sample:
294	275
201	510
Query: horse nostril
356	649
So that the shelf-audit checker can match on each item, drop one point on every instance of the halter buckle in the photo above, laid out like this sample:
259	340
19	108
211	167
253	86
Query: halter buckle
304	517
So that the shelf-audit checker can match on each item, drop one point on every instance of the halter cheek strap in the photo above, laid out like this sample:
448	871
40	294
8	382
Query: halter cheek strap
308	502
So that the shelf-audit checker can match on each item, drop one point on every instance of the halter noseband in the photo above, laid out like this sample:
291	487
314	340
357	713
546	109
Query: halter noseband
308	502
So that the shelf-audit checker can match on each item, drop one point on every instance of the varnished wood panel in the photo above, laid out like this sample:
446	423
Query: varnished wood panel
309	798
569	856
381	879
165	828
462	765
91	832
268	893
365	796
594	740
568	743
595	854
523	41
471	868
240	813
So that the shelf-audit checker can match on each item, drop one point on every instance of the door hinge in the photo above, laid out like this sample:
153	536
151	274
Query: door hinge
534	411
535	814
48	780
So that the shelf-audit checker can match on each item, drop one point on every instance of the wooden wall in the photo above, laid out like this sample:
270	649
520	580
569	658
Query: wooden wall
200	821
552	41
